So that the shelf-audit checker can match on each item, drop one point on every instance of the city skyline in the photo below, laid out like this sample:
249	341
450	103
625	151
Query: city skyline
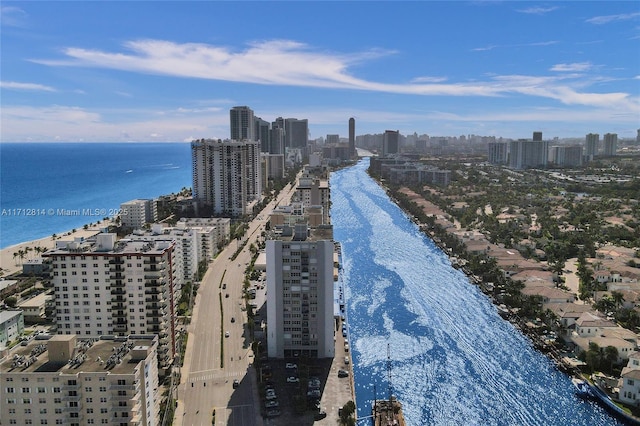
166	71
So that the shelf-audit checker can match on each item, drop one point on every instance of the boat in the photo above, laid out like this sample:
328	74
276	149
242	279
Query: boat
387	412
601	394
583	388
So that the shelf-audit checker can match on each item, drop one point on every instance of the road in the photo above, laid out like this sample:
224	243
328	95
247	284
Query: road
213	361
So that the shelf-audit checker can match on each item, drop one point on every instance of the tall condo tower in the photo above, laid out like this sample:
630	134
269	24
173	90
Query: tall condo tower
226	175
537	136
592	142
242	123
610	144
390	142
352	137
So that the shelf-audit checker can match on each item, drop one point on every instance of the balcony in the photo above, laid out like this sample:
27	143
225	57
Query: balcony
73	409
159	263
117	387
119	314
71	398
116	261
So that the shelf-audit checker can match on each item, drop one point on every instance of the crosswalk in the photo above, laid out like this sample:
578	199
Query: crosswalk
199	377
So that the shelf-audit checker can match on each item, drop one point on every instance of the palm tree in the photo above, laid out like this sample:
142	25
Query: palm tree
15	255
618	298
21	254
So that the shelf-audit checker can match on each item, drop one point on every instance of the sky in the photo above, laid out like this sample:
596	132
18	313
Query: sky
120	71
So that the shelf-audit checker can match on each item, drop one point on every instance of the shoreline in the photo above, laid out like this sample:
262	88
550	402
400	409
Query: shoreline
9	264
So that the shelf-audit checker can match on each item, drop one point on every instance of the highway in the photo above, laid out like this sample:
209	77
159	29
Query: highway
213	361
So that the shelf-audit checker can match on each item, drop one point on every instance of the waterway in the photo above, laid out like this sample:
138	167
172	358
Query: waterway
452	359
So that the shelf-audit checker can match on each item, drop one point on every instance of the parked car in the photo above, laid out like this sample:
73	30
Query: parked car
233	319
292	379
273	413
346	360
236	383
271	404
224	286
343	373
291	365
226	334
320	415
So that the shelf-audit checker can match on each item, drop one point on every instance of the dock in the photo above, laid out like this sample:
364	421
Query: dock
388	413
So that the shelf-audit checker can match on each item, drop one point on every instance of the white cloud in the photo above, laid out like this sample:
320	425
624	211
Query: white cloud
12	16
577	66
600	20
503	46
13	85
538	10
124	94
427	79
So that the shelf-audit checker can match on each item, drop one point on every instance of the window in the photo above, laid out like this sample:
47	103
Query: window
10	390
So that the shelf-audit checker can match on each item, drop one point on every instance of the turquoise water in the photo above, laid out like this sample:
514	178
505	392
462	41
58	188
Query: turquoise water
39	182
454	361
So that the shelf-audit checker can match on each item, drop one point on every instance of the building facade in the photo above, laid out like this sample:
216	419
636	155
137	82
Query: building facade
591	146
352	138
135	214
497	152
242	123
11	326
390	142
610	145
63	381
104	287
226	175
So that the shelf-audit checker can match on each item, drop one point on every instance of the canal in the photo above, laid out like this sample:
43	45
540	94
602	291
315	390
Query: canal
451	359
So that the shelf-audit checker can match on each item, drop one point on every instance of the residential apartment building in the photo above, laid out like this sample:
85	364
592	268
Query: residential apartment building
135	214
104	287
242	123
352	138
64	381
610	146
212	232
525	154
226	175
300	305
566	156
390	142
11	327
497	152
591	146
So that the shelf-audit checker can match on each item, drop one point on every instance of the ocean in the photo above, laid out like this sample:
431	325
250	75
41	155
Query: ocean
50	188
452	360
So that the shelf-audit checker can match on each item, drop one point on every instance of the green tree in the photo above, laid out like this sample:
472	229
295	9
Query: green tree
346	415
11	301
611	356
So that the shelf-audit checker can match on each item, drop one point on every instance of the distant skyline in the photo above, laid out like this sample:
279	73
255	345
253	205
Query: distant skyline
170	71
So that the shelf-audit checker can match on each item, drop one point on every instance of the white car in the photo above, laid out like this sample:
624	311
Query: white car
226	334
291	365
292	379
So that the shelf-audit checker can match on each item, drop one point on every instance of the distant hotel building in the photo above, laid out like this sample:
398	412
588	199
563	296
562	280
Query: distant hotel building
62	381
610	144
104	287
226	175
135	214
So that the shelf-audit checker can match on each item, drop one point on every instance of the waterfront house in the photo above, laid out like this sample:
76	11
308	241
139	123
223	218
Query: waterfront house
629	383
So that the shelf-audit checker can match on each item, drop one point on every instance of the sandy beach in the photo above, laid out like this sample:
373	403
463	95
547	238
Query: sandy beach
10	264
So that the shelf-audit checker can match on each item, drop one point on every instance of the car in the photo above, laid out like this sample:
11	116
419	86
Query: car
233	319
346	360
343	373
224	286
226	334
273	413
320	415
291	365
271	404
226	295
313	393
292	379
236	383
271	396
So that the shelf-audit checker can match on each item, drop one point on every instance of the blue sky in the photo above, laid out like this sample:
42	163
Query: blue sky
170	71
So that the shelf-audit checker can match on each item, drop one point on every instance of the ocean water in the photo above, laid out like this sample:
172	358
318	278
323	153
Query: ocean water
453	360
48	188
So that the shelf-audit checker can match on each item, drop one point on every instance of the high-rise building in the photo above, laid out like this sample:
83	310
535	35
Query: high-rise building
610	144
528	154
352	137
332	139
537	136
296	133
135	214
591	146
263	134
390	142
497	152
65	381
97	282
242	123
300	305
566	156
226	175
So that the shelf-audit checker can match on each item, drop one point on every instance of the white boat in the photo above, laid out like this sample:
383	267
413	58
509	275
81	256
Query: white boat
583	388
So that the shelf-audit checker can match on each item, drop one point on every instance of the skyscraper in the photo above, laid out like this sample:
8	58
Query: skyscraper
242	123
610	144
537	136
390	142
296	133
263	134
592	142
226	175
352	137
